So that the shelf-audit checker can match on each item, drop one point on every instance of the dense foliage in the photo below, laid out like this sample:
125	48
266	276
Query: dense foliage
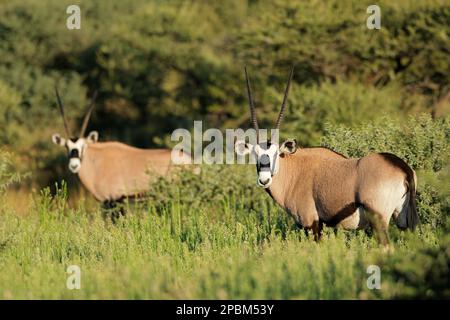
158	65
8	175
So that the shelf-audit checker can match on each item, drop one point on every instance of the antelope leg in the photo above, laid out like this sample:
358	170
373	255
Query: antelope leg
380	227
317	228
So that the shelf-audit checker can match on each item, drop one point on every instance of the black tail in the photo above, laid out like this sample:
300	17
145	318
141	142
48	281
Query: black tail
412	218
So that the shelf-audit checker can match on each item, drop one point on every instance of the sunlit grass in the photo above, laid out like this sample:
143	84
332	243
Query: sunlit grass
179	251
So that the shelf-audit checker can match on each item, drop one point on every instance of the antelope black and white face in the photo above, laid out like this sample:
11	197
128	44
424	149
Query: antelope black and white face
267	156
75	148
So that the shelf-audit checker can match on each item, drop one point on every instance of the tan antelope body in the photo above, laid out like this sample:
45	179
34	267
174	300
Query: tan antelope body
113	171
318	185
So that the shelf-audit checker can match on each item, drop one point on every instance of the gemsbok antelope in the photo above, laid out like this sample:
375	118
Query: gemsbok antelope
318	186
112	171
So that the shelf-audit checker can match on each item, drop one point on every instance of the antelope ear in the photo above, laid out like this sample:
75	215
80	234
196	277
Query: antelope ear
56	138
242	148
92	137
288	147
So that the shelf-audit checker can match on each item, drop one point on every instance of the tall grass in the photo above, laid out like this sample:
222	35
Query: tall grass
181	250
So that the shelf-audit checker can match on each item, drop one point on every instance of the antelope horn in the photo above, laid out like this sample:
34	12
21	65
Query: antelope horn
283	105
61	109
88	115
252	106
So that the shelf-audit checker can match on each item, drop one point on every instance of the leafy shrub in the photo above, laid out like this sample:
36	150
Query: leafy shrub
422	142
7	175
214	186
422	274
331	41
432	206
349	104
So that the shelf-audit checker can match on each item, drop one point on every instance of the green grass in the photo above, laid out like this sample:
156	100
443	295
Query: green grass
184	251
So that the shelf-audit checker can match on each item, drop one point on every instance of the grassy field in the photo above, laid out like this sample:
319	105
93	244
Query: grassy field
181	249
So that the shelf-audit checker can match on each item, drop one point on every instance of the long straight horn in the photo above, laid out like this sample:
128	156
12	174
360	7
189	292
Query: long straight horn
283	105
252	106
88	115
61	109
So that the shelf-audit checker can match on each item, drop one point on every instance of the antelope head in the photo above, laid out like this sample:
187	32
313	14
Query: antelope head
266	153
75	146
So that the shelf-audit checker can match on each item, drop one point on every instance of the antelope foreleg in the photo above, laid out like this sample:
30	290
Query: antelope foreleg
317	228
114	208
380	228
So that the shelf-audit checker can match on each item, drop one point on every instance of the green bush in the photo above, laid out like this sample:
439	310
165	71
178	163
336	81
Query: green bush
7	175
422	142
331	41
421	274
349	104
215	186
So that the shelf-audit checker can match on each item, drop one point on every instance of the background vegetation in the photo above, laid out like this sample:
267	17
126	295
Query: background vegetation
159	65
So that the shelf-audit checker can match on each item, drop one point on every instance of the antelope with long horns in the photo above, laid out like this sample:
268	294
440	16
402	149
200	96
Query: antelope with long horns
112	171
318	186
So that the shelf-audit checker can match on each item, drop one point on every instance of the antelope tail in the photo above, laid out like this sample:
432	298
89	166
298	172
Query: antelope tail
412	218
409	210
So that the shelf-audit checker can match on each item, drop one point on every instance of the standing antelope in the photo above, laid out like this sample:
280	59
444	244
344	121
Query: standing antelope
317	185
112	171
